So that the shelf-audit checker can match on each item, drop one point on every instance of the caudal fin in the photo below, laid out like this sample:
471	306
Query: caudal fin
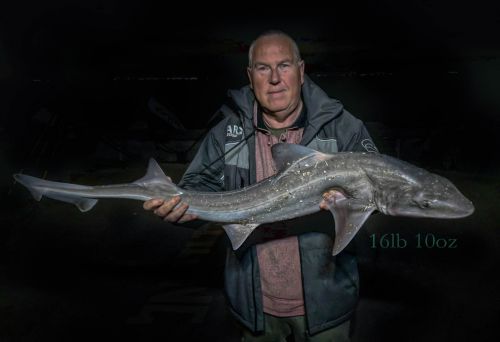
56	190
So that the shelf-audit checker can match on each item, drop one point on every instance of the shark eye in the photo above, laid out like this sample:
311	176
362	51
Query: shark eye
422	204
425	204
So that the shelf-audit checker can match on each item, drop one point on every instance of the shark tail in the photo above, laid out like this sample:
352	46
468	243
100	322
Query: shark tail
41	187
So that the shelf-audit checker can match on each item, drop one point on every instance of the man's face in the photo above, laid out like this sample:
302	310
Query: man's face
276	76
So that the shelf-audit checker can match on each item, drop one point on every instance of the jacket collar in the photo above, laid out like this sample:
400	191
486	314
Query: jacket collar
321	109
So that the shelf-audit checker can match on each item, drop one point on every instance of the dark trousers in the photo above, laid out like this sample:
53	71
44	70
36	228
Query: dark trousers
277	329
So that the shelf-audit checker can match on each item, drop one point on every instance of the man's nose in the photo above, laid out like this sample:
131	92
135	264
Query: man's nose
275	76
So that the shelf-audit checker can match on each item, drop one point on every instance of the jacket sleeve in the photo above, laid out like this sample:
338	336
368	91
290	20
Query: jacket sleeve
355	135
206	170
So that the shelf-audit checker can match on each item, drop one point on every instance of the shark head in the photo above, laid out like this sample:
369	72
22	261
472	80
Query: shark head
431	196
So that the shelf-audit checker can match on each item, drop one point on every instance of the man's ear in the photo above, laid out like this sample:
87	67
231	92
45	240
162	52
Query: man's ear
249	74
301	70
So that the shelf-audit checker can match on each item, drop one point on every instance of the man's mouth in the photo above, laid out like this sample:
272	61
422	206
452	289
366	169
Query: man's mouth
273	92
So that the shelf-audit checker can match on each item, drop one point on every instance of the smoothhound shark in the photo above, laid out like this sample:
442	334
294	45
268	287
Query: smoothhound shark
363	183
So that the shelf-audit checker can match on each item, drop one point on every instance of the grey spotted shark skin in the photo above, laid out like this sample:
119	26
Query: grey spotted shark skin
362	183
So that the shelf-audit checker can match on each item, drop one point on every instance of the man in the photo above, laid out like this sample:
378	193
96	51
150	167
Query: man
290	285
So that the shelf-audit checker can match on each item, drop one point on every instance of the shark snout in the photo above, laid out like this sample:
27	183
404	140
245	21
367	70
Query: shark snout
440	205
465	208
451	208
454	204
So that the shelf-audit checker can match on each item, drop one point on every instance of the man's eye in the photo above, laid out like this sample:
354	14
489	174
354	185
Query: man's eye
284	66
262	68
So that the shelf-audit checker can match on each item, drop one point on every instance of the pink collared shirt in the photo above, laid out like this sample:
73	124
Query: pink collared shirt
279	258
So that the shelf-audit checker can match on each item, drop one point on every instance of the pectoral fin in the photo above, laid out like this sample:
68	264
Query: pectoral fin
238	233
349	216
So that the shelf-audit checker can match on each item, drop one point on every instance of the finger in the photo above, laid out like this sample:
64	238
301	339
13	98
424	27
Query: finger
323	205
152	203
329	197
187	218
167	207
177	213
331	193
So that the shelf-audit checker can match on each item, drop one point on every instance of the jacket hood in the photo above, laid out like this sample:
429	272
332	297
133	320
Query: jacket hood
320	107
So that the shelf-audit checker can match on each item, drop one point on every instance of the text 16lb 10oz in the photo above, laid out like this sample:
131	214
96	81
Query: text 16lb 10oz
427	240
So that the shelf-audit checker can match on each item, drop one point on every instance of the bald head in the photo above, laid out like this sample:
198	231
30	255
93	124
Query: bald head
266	36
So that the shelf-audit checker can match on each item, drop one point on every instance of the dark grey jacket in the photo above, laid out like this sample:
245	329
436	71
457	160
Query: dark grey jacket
225	162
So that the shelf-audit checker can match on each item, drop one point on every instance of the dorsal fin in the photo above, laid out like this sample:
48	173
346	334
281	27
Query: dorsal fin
286	155
154	174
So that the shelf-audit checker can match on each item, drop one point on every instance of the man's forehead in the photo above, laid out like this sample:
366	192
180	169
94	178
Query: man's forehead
273	46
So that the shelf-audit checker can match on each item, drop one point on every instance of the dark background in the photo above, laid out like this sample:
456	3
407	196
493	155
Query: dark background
78	85
421	69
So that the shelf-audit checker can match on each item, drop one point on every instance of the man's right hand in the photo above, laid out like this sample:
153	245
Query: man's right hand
171	210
